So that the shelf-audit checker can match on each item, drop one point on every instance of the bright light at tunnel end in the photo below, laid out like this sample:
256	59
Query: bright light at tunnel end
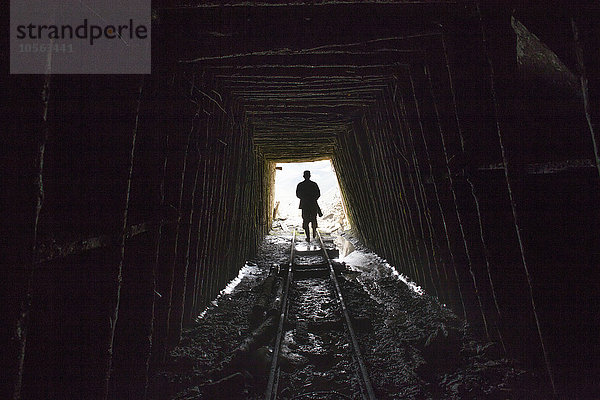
288	176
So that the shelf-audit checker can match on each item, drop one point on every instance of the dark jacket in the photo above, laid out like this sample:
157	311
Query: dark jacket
308	192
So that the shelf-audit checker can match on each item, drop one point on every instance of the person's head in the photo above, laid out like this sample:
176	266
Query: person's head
307	175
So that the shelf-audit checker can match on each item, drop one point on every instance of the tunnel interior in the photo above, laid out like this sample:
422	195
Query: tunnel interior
463	136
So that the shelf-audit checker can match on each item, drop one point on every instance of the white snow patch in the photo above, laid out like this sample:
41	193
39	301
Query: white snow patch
412	285
202	314
246	270
359	259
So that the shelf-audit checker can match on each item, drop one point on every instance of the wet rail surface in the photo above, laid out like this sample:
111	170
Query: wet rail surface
315	331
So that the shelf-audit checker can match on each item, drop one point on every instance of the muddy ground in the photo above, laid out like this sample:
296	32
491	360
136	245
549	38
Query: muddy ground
414	347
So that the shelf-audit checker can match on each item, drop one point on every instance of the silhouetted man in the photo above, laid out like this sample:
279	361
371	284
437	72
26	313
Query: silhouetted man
308	192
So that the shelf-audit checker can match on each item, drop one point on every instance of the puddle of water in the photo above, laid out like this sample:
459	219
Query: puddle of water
306	246
309	260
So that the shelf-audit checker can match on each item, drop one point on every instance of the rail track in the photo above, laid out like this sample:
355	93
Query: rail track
312	298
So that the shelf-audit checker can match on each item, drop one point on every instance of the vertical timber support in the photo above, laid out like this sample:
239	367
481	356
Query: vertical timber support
119	271
503	68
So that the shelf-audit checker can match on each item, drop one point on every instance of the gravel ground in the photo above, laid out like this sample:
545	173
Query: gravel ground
414	347
206	350
316	351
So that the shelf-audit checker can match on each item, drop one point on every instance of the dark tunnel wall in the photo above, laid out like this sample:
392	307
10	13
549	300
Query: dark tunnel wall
151	199
490	215
134	200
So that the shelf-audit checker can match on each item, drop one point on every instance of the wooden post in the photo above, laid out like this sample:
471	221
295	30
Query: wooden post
22	322
119	271
497	115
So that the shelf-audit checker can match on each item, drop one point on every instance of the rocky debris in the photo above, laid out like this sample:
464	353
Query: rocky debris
339	266
419	349
259	309
414	347
231	386
243	355
206	351
442	346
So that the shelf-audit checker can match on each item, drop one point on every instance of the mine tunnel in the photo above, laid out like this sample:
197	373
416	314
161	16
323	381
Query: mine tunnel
463	135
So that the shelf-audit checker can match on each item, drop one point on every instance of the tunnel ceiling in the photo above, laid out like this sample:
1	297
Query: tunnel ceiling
297	118
301	79
299	76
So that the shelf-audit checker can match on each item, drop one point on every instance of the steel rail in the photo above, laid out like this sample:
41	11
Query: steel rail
271	392
272	385
370	393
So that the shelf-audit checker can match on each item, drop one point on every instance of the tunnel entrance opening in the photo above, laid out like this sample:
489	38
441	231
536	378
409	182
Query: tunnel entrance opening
287	215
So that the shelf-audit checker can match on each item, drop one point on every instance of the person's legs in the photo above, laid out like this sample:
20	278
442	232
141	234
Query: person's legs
305	223
309	217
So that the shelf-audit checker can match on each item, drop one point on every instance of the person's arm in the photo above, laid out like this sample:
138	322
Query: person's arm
298	191
318	192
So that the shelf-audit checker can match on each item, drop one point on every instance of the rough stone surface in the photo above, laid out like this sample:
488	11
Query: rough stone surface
414	347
